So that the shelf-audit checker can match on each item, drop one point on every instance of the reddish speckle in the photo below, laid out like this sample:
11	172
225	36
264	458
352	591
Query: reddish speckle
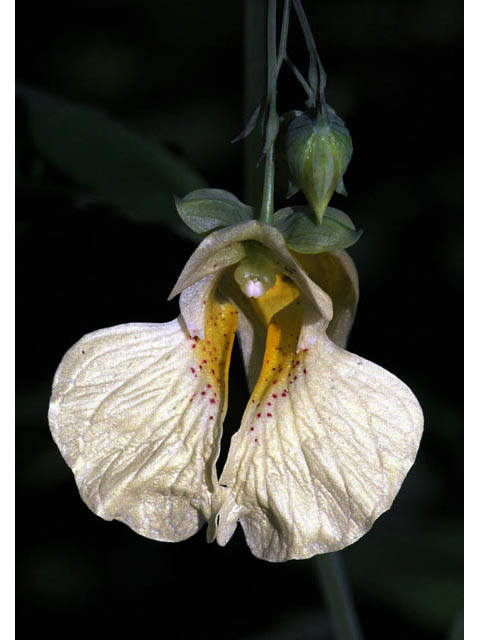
274	395
304	371
211	418
275	381
295	378
252	428
259	415
212	371
256	439
269	404
203	393
192	369
195	338
204	362
297	362
193	346
215	265
269	415
212	401
209	386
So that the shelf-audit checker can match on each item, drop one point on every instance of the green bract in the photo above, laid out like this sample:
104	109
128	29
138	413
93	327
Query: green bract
304	234
204	210
318	148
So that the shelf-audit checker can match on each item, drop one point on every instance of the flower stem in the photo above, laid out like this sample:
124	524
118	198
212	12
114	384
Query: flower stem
338	598
271	119
255	89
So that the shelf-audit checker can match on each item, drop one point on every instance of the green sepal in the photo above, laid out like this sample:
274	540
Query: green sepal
304	234
205	210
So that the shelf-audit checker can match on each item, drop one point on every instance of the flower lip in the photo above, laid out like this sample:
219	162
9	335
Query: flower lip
228	246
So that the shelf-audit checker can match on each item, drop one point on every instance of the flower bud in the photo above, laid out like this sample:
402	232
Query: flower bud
318	149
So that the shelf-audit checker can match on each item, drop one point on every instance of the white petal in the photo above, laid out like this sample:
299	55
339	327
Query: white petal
209	258
336	274
138	418
319	455
194	304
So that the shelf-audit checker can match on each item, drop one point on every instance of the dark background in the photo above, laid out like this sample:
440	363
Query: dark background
172	72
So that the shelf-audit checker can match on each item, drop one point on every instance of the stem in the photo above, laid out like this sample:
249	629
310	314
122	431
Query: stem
338	598
266	212
255	82
317	75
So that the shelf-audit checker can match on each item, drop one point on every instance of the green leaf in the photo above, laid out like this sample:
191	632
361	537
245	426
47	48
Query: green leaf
116	165
304	234
204	210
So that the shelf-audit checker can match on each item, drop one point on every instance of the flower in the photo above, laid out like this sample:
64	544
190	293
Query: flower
325	441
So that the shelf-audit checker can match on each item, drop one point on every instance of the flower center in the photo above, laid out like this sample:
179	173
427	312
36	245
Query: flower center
255	275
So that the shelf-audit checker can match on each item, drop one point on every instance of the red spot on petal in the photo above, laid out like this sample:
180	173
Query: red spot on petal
304	371
259	415
269	404
274	395
211	417
269	415
203	393
212	401
252	428
192	369
275	381
209	386
256	439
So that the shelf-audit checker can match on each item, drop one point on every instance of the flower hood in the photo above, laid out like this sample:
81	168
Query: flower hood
325	441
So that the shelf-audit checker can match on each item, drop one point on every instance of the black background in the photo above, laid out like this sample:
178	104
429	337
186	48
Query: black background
172	71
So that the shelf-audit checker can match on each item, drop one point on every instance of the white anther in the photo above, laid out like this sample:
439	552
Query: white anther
254	288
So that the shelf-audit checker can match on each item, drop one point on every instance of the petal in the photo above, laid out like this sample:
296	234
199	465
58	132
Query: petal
137	412
210	256
194	304
323	448
336	274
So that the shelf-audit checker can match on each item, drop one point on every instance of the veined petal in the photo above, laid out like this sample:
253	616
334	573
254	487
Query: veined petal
336	274
323	448
137	412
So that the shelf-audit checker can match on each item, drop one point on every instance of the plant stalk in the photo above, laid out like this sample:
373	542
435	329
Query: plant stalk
338	598
255	89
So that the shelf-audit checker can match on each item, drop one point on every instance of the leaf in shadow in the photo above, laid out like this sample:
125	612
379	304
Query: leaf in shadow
118	166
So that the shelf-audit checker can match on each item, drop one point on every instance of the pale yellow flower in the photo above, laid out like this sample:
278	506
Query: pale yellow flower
326	438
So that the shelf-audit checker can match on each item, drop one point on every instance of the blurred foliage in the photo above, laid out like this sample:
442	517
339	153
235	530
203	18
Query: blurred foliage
171	74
